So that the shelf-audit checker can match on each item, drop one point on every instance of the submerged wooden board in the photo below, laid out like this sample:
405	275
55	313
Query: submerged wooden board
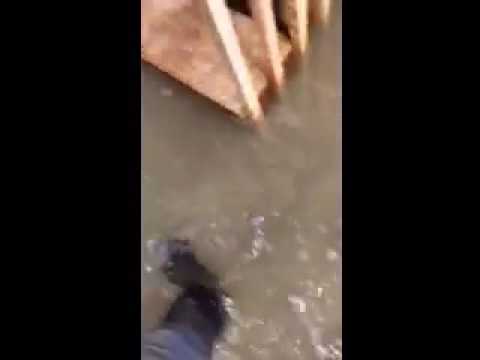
178	40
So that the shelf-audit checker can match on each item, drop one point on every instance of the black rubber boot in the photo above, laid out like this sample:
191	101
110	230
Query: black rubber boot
199	312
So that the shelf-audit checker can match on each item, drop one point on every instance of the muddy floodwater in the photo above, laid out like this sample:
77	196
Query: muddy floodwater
263	209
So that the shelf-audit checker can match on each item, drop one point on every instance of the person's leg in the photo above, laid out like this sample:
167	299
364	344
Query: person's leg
196	318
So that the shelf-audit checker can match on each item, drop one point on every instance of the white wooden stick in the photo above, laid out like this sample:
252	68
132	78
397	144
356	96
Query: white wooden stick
222	23
295	15
320	11
262	12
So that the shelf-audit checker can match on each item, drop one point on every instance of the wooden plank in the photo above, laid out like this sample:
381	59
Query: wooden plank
295	15
229	43
320	11
262	12
177	39
253	45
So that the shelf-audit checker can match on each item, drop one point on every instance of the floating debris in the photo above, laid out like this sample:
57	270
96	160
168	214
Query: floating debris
321	351
151	245
257	221
259	242
329	352
298	303
334	352
319	292
227	302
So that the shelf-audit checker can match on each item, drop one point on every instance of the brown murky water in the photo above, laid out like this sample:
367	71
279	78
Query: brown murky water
263	210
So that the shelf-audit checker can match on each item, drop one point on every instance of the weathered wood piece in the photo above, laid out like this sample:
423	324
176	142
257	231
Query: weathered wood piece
320	11
262	12
179	39
295	15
